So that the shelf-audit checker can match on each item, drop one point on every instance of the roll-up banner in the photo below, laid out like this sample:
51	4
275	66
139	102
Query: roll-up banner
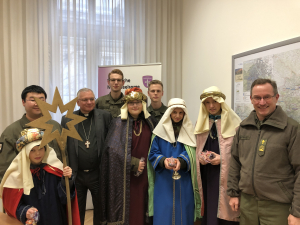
134	76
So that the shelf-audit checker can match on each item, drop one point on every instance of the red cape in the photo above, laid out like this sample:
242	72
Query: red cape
11	198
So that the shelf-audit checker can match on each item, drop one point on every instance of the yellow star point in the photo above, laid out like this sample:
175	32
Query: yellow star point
42	121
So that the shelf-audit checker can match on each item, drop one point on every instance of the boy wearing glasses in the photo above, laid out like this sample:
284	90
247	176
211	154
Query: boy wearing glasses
263	179
112	102
11	134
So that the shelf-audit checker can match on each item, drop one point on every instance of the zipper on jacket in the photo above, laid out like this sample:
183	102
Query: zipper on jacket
259	130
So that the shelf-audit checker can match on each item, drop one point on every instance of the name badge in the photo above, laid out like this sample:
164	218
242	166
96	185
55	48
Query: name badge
244	137
262	147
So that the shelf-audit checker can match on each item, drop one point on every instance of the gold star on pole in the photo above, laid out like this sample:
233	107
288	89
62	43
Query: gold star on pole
61	139
41	122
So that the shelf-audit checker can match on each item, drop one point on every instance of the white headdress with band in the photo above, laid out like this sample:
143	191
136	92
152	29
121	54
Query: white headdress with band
131	95
18	174
165	130
229	119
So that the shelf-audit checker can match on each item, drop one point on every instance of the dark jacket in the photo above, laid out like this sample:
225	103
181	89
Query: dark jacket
102	120
265	160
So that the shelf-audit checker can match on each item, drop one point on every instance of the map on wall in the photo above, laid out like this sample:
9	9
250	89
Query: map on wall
279	62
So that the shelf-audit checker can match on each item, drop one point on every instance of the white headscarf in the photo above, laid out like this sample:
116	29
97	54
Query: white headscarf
164	128
18	174
229	119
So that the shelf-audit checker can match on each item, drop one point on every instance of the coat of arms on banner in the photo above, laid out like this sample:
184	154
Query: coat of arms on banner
146	80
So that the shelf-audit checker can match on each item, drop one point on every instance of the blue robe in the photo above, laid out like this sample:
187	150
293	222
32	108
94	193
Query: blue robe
49	196
173	199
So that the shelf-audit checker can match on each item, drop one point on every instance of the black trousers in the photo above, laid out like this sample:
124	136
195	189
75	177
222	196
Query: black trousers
88	181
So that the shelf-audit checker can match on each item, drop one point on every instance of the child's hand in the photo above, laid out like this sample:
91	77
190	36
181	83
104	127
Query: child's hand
202	159
141	166
167	163
177	167
30	213
215	160
67	172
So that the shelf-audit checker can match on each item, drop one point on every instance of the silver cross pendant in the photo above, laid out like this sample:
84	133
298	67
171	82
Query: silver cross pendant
87	144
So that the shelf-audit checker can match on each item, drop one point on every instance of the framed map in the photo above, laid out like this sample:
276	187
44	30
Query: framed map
279	62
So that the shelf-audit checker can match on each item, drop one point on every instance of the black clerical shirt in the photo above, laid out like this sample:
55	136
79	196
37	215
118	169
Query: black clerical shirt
87	157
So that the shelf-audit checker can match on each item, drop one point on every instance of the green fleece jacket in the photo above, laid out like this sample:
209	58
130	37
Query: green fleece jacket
265	160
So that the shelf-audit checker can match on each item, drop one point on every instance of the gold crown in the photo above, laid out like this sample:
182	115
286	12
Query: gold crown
28	135
134	93
135	96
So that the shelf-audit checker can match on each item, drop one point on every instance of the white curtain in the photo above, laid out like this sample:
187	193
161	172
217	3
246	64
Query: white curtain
61	43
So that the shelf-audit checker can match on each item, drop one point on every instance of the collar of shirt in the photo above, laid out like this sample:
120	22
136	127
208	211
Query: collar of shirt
215	117
159	110
111	100
88	115
259	123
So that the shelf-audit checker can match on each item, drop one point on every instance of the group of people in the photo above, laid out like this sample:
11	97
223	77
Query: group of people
150	165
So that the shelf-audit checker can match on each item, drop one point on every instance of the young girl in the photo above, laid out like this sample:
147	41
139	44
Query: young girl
35	182
175	200
216	126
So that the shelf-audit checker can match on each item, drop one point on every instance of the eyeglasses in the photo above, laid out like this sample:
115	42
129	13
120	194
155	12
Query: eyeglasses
134	103
266	98
114	80
87	99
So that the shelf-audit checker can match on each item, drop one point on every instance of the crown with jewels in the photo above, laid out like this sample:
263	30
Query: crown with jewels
134	94
27	136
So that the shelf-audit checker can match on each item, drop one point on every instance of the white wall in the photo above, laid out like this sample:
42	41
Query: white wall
214	30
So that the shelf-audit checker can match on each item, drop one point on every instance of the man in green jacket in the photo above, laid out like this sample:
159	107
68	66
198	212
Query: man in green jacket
155	92
12	133
263	178
113	101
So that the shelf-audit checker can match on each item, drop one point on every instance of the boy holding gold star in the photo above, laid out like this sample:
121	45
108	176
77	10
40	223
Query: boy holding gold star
34	181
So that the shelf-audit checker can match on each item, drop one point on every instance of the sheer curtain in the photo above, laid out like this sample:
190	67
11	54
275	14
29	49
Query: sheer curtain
61	43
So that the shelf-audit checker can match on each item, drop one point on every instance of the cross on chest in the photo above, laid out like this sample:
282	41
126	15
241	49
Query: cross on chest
87	144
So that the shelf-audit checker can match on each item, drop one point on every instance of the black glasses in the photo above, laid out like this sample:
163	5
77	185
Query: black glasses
118	80
134	103
266	98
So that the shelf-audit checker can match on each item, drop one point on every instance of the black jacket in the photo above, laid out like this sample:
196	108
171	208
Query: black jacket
102	121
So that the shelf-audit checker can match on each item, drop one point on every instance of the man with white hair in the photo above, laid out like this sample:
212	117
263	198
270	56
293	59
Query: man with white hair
85	155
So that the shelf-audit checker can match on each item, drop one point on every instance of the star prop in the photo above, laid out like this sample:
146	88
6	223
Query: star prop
61	139
41	122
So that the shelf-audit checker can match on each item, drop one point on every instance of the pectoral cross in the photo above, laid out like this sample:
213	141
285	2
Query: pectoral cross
87	144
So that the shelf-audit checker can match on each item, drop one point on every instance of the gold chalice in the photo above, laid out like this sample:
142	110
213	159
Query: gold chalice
173	162
176	175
